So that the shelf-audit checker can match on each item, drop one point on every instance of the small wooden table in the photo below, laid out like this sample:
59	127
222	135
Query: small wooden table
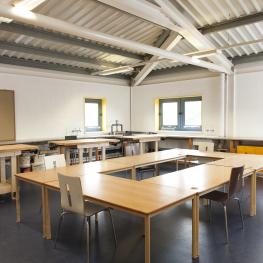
12	151
143	139
65	145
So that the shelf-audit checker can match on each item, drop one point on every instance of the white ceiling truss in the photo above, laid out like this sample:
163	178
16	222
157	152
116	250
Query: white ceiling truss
120	37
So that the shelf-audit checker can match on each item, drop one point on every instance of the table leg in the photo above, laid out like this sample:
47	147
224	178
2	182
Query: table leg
45	213
190	143
157	169
195	227
147	232
97	154
2	170
66	152
141	147
90	155
253	194
18	207
103	153
133	173
80	155
13	172
156	146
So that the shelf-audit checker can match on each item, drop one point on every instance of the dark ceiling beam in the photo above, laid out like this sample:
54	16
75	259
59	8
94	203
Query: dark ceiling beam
64	39
236	22
248	58
11	46
174	70
49	66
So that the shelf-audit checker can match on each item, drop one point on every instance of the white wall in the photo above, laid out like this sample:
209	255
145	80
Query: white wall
210	88
249	101
51	107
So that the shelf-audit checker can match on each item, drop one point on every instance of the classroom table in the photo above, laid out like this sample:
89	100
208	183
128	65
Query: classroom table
142	199
65	145
153	158
189	183
12	151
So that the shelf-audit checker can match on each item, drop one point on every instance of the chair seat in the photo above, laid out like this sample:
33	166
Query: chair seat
92	209
216	196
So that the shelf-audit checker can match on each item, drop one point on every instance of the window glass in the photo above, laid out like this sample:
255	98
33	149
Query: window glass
170	112
180	114
93	114
192	113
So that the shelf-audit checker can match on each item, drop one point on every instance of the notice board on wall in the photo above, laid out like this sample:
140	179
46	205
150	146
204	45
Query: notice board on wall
7	115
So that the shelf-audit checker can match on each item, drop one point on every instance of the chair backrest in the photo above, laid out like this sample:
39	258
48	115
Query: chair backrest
71	194
54	161
236	180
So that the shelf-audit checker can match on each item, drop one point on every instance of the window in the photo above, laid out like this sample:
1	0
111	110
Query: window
180	114
93	114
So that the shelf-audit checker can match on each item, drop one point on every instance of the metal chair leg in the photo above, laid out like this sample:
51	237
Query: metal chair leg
59	227
88	238
113	228
83	230
226	224
240	211
210	211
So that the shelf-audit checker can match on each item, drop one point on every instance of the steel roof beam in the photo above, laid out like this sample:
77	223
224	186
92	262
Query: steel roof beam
168	44
64	39
236	22
248	58
49	66
53	54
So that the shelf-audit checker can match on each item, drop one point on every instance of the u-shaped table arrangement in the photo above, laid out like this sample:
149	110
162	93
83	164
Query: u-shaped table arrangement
149	197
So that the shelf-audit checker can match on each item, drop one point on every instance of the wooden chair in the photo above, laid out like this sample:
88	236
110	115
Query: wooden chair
54	161
72	202
234	187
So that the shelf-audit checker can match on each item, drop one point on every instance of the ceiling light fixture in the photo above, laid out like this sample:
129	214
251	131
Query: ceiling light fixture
21	6
113	71
27	4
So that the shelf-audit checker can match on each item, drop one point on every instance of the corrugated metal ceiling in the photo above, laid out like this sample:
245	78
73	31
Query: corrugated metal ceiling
100	17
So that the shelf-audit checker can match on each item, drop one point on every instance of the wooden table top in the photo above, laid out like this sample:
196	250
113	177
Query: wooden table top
147	158
105	166
17	147
83	141
129	195
197	153
200	178
250	161
41	177
138	137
